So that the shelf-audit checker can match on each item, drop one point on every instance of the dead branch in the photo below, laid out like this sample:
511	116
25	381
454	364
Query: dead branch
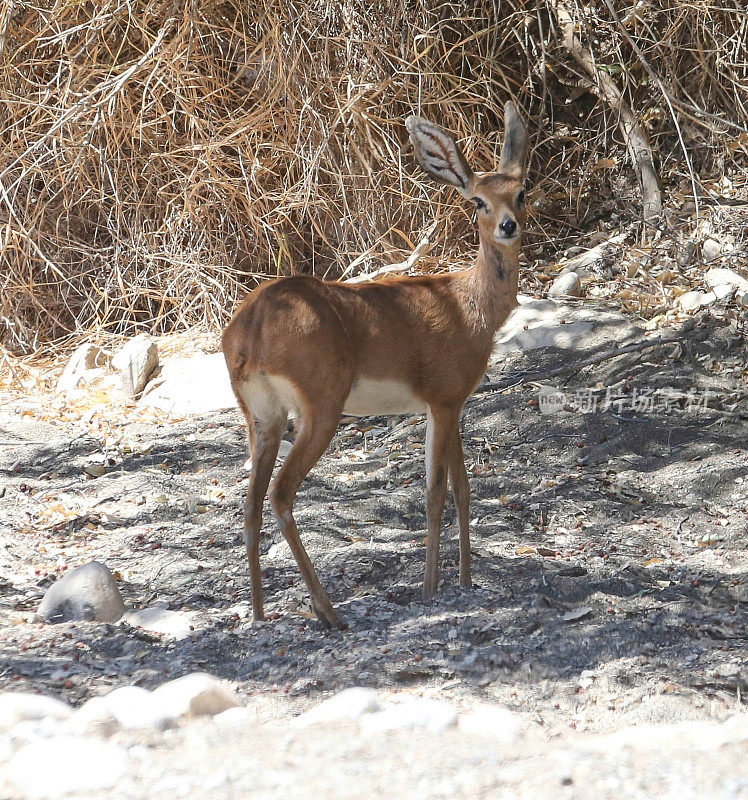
636	140
421	249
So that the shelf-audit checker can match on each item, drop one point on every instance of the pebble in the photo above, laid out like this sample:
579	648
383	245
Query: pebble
64	766
87	593
566	285
710	249
350	704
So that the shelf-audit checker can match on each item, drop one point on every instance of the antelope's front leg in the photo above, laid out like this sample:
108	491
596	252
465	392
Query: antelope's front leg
440	431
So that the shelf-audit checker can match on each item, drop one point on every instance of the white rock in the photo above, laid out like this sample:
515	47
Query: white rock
173	624
194	385
566	285
491	720
431	715
547	323
350	704
82	363
279	550
742	297
88	593
710	249
194	695
18	707
131	706
723	291
238	717
135	362
93	718
693	301
719	275
64	766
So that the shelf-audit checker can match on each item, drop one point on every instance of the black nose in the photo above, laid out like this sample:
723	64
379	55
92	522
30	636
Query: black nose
508	225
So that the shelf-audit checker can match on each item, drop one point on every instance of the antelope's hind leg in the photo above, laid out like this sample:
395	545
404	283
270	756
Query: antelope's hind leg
266	422
314	435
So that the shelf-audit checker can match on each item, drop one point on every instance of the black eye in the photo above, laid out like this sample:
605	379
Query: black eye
521	198
480	203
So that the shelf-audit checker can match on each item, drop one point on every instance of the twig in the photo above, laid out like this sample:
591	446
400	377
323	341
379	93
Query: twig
421	249
530	377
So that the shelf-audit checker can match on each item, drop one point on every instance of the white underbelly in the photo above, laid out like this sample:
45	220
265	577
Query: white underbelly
369	397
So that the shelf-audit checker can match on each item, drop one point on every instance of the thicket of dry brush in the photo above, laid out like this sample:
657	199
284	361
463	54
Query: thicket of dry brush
155	157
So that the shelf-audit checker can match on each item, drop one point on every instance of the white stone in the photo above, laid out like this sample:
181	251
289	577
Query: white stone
194	385
88	593
693	301
194	695
173	624
723	291
63	766
424	713
548	323
18	707
135	362
566	285
719	275
491	720
279	550
237	717
131	706
81	365
350	704
710	249
93	718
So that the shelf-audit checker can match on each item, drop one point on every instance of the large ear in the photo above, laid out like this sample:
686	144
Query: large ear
438	154
514	152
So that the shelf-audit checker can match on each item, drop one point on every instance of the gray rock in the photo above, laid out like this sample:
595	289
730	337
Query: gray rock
350	704
720	275
135	363
16	707
84	362
63	766
566	285
194	695
86	593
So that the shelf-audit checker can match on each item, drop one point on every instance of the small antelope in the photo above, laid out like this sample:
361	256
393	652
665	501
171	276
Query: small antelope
405	345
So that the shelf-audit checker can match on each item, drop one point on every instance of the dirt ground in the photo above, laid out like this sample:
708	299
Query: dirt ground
609	557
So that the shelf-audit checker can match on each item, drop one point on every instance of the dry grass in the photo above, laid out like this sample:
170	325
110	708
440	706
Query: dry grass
157	158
